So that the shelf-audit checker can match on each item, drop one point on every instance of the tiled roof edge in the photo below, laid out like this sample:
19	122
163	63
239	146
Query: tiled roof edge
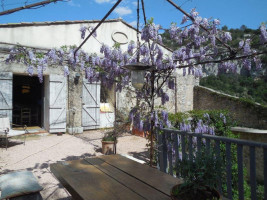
8	25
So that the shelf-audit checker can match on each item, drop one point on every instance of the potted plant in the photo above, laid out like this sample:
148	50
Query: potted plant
200	175
108	143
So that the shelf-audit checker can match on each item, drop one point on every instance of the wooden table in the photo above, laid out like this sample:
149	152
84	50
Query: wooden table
113	177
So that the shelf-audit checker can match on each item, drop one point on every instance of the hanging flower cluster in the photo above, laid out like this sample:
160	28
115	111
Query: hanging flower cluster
202	41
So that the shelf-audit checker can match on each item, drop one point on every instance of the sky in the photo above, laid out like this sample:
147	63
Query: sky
232	13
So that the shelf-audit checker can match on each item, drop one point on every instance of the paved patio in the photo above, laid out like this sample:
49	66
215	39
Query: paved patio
42	150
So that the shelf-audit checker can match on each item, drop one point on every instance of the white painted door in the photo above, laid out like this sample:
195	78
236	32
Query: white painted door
91	105
6	97
57	103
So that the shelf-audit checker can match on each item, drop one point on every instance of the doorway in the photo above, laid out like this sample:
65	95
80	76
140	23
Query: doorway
28	95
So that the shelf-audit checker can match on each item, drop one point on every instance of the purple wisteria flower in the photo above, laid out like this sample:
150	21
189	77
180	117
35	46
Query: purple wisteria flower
198	72
246	47
194	13
30	70
66	71
185	19
222	116
71	59
185	127
227	66
82	64
150	32
40	73
174	31
32	56
144	50
203	128
52	54
212	39
83	31
227	37
164	115
131	47
247	63
205	22
263	36
257	63
164	98
207	116
216	23
91	28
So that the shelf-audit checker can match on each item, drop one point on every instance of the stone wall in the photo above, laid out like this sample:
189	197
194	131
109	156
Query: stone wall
247	114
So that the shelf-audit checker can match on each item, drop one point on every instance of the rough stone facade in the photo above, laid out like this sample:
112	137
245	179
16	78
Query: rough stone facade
245	113
180	99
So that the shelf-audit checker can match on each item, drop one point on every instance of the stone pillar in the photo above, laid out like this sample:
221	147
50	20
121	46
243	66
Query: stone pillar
185	92
74	103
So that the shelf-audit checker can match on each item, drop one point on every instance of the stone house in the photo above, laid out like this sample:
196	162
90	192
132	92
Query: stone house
70	103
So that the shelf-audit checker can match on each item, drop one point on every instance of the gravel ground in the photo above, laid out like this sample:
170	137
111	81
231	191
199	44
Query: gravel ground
42	150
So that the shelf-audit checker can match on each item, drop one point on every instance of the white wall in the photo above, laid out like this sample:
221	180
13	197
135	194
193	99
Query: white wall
57	35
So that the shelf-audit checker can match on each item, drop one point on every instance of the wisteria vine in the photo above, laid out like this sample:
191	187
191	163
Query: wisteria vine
201	42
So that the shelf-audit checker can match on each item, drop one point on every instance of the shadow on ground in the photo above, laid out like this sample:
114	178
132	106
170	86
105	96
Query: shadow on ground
11	143
144	155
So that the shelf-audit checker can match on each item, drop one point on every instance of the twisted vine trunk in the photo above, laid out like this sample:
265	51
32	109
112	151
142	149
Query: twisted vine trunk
152	80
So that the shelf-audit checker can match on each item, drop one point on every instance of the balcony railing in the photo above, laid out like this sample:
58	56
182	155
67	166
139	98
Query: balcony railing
174	145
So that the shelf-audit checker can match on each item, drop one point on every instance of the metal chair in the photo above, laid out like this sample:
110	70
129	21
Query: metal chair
6	132
25	116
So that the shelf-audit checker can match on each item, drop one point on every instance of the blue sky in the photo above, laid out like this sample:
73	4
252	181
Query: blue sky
232	13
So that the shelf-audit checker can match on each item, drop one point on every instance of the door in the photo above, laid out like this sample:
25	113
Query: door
6	87
91	105
57	103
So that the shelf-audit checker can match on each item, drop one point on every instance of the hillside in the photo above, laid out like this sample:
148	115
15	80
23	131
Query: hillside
250	85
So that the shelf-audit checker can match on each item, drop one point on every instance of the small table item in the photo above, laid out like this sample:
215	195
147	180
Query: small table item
113	177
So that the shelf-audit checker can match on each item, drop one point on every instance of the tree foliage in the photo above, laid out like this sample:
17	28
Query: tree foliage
254	89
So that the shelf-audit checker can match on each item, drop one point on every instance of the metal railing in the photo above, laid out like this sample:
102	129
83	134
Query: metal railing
173	144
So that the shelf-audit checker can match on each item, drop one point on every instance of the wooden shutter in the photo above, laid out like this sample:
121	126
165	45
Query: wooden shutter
57	103
6	97
91	105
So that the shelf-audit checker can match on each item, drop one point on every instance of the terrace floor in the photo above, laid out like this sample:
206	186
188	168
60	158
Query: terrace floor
42	150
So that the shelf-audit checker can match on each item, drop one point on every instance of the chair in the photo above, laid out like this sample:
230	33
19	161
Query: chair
6	132
25	116
16	115
34	116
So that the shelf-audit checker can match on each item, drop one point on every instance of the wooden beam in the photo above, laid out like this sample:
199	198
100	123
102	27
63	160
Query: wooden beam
42	3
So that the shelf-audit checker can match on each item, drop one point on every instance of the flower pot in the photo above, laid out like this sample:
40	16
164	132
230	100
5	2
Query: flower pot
200	196
108	147
136	132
